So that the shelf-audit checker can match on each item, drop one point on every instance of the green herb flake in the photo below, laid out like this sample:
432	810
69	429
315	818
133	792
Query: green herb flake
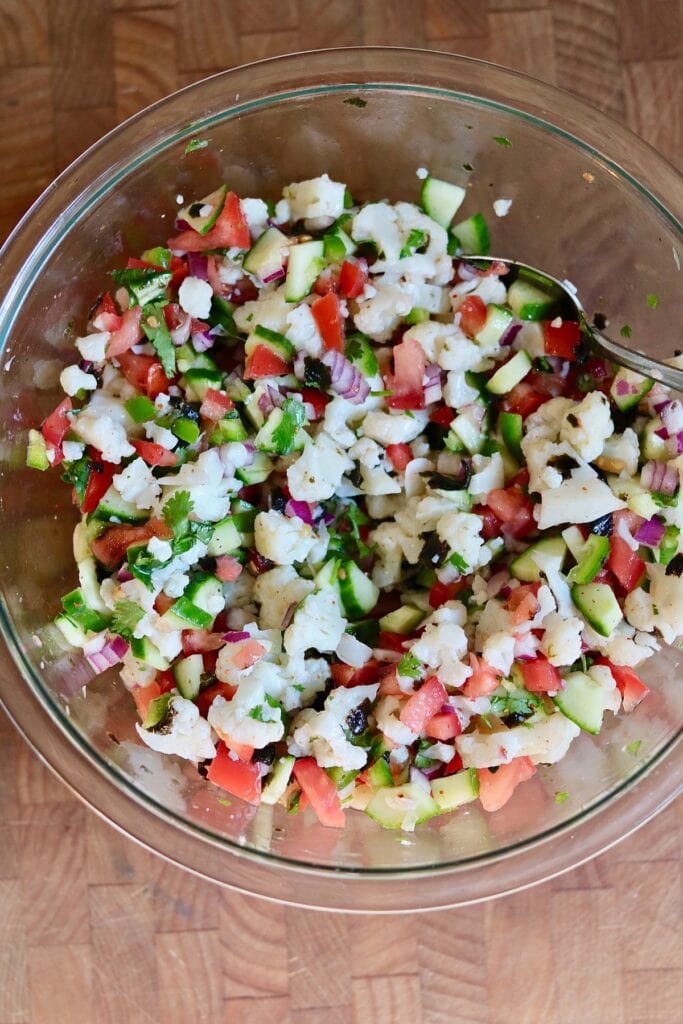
126	616
501	140
626	331
409	666
257	713
177	510
224	803
77	474
561	796
356	101
156	330
634	747
293	418
195	144
381	394
652	300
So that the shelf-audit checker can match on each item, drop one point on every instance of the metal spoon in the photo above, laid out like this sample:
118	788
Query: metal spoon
599	343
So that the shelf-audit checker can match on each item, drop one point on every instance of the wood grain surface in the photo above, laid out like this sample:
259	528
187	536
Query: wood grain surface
93	930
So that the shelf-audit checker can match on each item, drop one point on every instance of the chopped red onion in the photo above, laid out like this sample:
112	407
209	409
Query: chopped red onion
352	652
662	432
111	654
197	265
203	341
289	615
276	275
432	384
672	416
419	778
124	575
181	224
651	532
660	477
466	272
235	637
476	412
624	388
72	673
270	399
504	592
447	709
510	334
300	510
85	365
497	583
346	379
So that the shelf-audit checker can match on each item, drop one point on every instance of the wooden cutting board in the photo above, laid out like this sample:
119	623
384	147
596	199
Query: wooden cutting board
93	930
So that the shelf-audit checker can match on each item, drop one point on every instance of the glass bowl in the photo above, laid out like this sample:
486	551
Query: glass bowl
591	203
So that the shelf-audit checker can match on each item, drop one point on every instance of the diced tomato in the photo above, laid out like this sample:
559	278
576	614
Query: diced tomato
258	563
341	673
321	792
99	481
406	382
144	372
128	334
540	676
523	603
353	277
247	653
440	593
443	726
263	362
238	778
55	429
392	641
111	546
209	661
135	264
627	565
454	765
166	681
179	269
143	697
484	679
400	455
423	705
442	416
208	696
536	388
311	396
231	229
346	675
228	568
215	405
241	291
173	315
153	454
106	317
491	526
561	341
388	684
630	686
197	641
598	372
244	751
496	788
327	315
514	510
327	281
472	315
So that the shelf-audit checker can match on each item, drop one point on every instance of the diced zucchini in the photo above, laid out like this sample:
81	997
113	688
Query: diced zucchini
403	620
598	605
628	387
276	342
203	214
358	593
401	807
525	568
594	554
464	433
327	576
278	780
306	260
453	791
242	514
36	452
187	673
473	235
510	424
90	585
511	373
441	200
113	509
268	253
498	319
144	650
582	701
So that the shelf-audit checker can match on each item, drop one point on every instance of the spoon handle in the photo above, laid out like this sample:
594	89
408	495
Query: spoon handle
645	365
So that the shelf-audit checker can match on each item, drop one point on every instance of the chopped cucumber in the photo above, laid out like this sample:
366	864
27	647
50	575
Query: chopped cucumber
441	200
36	452
511	373
524	566
379	774
144	650
306	260
465	433
628	387
113	509
529	302
257	472
184	614
203	214
401	806
582	701
498	319
90	585
598	605
327	576
203	591
73	634
365	630
81	614
225	538
230	428
267	255
594	554
510	424
140	408
278	780
652	446
358	593
404	620
453	791
278	343
359	352
338	245
473	235
188	675
668	549
198	380
156	712
575	541
268	438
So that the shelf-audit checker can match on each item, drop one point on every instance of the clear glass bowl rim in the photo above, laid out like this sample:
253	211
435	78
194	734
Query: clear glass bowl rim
34	712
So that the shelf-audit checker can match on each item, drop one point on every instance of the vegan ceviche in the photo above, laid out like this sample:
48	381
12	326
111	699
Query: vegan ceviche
364	524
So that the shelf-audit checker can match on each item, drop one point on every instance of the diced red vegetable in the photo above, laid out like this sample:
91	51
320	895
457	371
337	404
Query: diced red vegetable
514	510
353	277
228	568
406	382
128	334
630	685
399	455
321	792
197	641
238	778
540	676
424	704
145	373
99	481
319	400
496	788
208	696
392	641
215	405
106	317
327	315
454	765
54	430
111	546
442	416
484	679
154	454
231	229
346	675
263	362
626	564
523	603
143	697
443	726
472	315
563	340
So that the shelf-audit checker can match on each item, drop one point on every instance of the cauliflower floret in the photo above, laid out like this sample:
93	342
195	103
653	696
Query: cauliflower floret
545	742
270	310
380	315
367	452
304	678
137	484
204	480
441	647
387	568
321	733
394	428
276	590
666	593
303	332
314	198
377	481
256	214
182	732
499	652
317	623
93	346
582	498
457	352
160	435
587	425
561	641
72	450
194	296
457	392
134	672
377	222
388	722
493	619
247	718
317	472
460	530
73	380
489	474
337	413
546	422
623	448
282	540
104	434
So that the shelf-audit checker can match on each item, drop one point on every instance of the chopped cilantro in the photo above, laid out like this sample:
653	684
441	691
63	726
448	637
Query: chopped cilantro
652	300
127	614
293	418
195	144
626	331
409	666
634	747
381	394
561	796
77	474
257	714
416	240
177	509
519	703
502	140
459	562
156	330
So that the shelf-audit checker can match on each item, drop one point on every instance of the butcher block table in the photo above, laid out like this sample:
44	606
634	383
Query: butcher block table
94	930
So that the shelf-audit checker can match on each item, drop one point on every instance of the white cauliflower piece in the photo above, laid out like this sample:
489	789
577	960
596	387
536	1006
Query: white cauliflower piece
460	530
73	380
623	448
499	652
160	435
587	425
204	480
317	623
441	647
93	346
378	223
269	310
182	732
317	472
582	498
303	332
194	296
388	722
137	484
394	428
314	198
545	742
561	642
380	315
282	540
234	720
276	590
256	215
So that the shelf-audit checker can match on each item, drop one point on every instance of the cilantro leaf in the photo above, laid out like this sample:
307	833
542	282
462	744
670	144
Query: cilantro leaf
176	511
126	616
156	329
626	331
77	474
409	666
519	704
293	418
634	747
502	140
561	796
652	301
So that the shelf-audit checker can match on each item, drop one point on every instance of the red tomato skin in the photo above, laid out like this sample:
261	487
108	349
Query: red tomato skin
238	778
111	546
208	696
346	675
128	334
472	315
453	766
327	315
228	568
562	341
153	454
442	416
443	726
326	282
144	372
496	788
353	277
625	564
317	399
55	429
514	510
424	704
198	641
629	684
143	697
483	681
392	641
400	455
106	318
440	593
540	676
406	382
99	481
321	792
215	405
231	229
263	362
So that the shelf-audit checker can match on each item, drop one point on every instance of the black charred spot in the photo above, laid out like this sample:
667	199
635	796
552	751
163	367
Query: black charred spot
675	566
